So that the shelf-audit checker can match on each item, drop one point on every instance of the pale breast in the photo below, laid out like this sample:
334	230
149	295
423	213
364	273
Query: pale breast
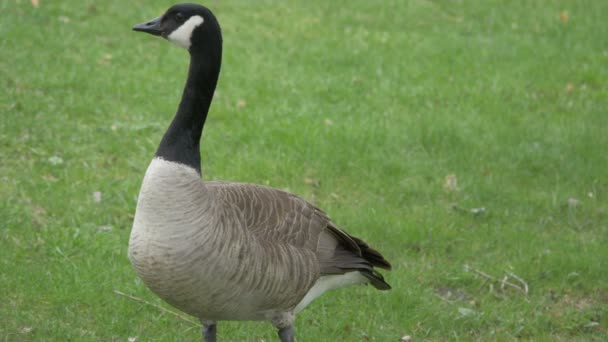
170	233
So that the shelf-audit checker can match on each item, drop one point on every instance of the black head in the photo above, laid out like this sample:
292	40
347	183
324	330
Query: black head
189	26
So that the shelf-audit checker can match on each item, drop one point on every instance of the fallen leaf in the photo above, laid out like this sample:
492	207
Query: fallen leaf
97	196
36	3
563	16
478	211
105	228
50	178
311	181
39	211
591	325
55	160
450	184
573	202
406	338
573	275
569	87
241	103
105	59
465	312
38	216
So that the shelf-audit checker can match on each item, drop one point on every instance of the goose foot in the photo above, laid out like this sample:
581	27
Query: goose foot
209	330
286	334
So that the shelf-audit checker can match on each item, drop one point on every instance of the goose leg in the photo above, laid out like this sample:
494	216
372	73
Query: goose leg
209	330
286	334
284	322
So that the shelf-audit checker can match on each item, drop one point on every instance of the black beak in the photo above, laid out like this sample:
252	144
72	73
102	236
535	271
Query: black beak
151	26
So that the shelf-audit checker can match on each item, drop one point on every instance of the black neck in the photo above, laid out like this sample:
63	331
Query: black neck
181	142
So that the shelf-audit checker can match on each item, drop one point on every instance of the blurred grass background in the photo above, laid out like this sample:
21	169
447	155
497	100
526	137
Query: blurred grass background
457	137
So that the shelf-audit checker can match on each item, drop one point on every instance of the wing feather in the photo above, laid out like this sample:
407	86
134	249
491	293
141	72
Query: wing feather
278	217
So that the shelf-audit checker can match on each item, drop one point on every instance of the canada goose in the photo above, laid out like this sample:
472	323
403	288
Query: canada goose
230	251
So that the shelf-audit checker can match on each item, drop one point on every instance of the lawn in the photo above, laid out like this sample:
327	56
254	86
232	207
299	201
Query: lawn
466	140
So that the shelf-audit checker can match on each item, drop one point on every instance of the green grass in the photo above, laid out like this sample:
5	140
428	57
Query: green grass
364	107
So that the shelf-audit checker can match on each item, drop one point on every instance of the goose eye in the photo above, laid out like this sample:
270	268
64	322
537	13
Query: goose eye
178	17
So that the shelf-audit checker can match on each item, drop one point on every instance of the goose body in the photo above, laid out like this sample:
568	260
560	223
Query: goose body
223	250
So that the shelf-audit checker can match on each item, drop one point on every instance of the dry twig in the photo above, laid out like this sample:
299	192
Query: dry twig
516	277
139	300
505	281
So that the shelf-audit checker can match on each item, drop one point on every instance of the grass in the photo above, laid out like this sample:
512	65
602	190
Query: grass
367	109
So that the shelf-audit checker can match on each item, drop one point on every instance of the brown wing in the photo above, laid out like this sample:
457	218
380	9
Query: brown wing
277	216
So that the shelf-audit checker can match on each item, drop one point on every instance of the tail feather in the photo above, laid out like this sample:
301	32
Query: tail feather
376	279
363	260
354	254
372	255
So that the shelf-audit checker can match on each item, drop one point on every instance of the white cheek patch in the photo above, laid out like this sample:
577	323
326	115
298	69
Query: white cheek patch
181	36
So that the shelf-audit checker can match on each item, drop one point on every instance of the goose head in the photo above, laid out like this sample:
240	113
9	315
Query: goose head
189	26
